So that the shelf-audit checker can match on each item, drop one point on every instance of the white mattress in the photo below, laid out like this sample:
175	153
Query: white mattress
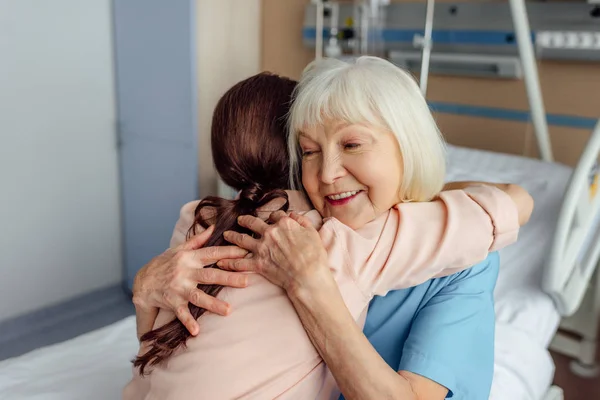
96	365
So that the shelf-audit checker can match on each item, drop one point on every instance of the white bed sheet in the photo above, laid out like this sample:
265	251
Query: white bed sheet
523	369
520	301
96	365
526	318
93	366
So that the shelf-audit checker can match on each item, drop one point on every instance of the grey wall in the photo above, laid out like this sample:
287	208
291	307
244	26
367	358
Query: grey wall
59	202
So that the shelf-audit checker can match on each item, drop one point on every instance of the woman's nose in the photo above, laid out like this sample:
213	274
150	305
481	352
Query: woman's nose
331	169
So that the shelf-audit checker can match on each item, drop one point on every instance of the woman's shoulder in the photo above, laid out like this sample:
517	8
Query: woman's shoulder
187	214
480	277
184	223
188	209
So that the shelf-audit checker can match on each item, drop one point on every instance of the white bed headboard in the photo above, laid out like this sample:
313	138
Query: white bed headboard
576	248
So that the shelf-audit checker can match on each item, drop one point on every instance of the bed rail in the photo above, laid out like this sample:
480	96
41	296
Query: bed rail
576	246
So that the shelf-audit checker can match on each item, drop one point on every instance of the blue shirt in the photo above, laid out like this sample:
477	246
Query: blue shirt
442	329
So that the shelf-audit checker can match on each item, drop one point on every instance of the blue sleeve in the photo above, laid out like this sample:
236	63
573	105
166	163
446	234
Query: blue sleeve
451	340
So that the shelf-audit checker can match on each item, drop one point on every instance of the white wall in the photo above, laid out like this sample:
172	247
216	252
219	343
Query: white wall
228	50
59	205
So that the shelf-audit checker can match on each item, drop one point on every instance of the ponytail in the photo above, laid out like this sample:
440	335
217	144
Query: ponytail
168	338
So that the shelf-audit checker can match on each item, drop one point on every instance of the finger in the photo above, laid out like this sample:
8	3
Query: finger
197	241
302	220
215	276
209	303
183	314
239	265
255	224
241	240
210	255
277	216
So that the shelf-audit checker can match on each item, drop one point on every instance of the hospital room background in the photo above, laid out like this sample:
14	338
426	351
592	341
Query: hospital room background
105	117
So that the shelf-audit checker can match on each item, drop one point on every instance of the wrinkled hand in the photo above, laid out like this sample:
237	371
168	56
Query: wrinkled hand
289	253
169	281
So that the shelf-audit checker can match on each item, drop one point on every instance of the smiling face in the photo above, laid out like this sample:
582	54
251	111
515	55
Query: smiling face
362	139
351	172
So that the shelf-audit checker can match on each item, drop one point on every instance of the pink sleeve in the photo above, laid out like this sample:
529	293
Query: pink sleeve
418	241
502	211
186	219
503	214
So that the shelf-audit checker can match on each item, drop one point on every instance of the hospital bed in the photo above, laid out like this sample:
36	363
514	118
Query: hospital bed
549	279
546	277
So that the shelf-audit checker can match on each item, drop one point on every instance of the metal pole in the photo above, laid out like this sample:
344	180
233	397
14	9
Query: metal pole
319	31
427	44
532	83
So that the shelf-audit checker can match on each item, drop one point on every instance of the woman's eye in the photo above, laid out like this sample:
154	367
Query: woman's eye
308	153
351	146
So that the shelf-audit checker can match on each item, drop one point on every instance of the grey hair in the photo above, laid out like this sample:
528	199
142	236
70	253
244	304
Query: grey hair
374	91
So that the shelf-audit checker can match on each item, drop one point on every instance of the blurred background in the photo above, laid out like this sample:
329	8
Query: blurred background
105	110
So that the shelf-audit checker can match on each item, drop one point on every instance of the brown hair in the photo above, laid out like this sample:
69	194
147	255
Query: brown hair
250	154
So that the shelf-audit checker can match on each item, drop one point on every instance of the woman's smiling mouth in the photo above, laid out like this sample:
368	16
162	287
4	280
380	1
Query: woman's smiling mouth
339	199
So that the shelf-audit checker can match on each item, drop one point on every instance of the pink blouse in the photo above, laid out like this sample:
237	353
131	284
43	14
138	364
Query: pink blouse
261	351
